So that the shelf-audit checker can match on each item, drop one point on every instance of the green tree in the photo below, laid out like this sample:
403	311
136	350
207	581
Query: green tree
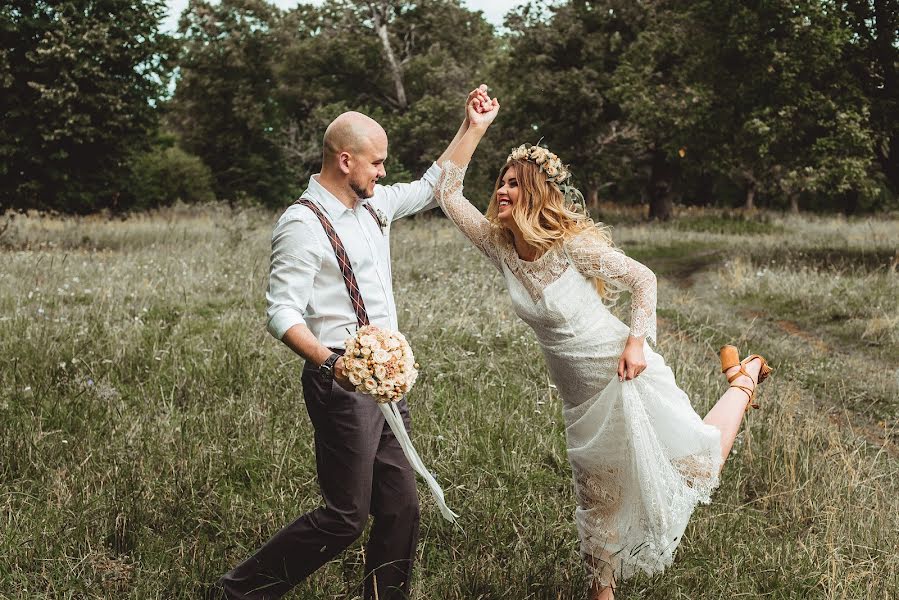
780	102
78	84
225	109
167	174
666	108
752	92
407	64
872	54
558	72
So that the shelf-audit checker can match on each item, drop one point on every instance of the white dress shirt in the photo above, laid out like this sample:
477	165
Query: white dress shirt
305	282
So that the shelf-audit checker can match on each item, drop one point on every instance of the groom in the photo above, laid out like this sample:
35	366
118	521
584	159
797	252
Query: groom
314	299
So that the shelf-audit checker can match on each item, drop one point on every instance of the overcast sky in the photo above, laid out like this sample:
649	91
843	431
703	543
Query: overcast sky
493	10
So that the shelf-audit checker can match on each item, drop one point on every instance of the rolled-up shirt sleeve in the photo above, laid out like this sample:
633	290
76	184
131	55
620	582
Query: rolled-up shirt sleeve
296	259
404	199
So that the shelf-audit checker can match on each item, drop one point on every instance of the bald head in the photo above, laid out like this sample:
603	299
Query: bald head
353	155
351	132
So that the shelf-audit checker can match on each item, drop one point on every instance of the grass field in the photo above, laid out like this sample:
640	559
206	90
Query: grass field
152	434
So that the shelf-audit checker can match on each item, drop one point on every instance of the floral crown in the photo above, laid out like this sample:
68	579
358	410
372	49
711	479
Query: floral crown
552	167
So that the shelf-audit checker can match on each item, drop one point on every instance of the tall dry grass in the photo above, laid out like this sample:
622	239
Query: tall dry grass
152	434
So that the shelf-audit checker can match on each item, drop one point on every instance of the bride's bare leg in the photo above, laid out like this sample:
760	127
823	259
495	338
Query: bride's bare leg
598	592
600	570
727	414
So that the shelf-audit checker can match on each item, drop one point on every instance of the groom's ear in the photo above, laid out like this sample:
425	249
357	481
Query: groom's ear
343	161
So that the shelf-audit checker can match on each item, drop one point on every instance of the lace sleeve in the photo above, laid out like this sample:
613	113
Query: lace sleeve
592	257
460	211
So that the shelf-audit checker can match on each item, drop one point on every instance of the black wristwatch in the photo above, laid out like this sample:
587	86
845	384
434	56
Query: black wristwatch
327	368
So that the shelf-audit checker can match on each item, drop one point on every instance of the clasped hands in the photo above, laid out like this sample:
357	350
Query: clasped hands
480	109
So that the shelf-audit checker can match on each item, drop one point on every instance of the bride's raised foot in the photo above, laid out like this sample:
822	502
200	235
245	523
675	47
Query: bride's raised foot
739	377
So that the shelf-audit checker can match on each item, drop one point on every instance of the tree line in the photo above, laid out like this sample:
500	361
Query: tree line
772	103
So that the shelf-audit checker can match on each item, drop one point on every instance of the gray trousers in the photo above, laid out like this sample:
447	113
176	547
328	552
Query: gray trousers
361	470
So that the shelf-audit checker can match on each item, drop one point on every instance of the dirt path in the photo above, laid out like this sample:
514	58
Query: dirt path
686	271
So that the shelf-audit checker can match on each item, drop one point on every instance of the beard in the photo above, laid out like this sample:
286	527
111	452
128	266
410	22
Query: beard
360	190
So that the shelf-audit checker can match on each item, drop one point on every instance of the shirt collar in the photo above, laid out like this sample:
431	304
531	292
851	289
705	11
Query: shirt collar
334	207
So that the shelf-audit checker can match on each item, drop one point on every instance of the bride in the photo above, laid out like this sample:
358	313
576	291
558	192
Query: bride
642	459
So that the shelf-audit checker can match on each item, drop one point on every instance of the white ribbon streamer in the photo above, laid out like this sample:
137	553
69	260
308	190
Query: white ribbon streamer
392	415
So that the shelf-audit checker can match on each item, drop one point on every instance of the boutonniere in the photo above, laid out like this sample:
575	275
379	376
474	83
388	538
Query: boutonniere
382	220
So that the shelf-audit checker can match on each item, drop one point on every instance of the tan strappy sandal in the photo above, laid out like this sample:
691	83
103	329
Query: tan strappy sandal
730	358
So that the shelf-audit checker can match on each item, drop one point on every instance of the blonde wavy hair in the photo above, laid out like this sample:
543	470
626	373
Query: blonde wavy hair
542	215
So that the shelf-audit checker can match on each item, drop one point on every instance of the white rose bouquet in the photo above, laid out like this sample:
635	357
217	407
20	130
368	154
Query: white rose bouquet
379	362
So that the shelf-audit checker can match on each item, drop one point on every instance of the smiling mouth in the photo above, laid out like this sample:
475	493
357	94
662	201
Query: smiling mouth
503	203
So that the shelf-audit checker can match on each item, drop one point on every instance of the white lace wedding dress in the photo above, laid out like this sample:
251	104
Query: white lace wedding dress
641	456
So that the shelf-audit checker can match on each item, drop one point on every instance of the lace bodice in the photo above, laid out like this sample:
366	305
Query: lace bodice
586	252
